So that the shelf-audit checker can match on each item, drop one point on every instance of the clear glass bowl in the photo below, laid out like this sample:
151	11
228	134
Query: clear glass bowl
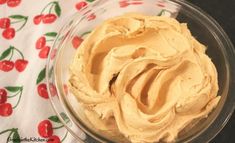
202	26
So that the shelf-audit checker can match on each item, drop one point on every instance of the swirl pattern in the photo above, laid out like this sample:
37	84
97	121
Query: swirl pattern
144	76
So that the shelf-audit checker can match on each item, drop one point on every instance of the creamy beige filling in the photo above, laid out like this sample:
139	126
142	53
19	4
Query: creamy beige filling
144	76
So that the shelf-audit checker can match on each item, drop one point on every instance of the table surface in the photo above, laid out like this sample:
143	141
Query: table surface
223	12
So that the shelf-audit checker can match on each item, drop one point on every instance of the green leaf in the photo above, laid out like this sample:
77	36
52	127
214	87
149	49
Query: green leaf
65	117
41	75
17	17
54	119
57	9
6	53
90	0
16	137
51	34
13	88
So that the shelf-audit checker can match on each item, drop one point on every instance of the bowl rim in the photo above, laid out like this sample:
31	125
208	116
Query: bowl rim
219	32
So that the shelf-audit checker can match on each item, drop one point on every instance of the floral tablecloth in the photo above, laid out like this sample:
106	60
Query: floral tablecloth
28	29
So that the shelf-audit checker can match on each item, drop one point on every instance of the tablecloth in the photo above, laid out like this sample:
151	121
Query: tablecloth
28	29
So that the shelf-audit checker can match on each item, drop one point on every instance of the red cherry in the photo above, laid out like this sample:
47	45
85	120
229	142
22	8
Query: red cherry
123	4
54	139
66	89
20	65
13	3
6	65
49	18
3	1
38	19
44	52
41	42
42	90
45	129
76	41
53	89
136	3
81	5
8	33
3	95
161	4
53	54
5	23
91	17
5	109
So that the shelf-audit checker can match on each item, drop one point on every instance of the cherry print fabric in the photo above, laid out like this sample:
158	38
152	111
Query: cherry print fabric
27	31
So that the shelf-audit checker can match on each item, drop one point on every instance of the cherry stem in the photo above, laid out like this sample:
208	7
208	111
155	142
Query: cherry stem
22	56
25	21
8	138
85	33
8	130
50	40
47	6
12	48
18	98
51	8
66	134
60	38
161	12
58	127
14	95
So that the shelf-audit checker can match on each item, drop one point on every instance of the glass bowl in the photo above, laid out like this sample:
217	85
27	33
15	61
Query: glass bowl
202	26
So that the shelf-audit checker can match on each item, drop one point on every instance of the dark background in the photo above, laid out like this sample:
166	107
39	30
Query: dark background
223	11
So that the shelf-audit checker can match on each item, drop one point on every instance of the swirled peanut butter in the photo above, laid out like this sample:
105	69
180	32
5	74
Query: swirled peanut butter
145	77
